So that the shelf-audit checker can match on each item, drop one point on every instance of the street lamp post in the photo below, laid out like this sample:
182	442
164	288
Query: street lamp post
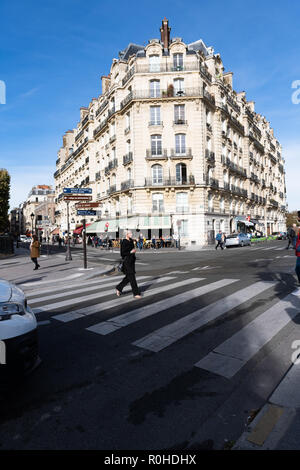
32	217
106	215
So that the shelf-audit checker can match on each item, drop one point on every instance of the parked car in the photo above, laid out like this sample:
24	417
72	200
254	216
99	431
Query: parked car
18	333
282	236
24	238
237	239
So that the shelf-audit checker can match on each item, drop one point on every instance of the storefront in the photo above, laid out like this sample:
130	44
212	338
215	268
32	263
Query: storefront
242	224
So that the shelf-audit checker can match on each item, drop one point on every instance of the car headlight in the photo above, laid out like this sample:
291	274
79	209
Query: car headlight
8	309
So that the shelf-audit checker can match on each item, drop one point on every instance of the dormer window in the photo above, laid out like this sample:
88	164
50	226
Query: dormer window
154	63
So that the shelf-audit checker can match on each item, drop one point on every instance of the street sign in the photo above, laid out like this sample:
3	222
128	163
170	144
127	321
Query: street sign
107	224
86	212
78	198
77	190
84	205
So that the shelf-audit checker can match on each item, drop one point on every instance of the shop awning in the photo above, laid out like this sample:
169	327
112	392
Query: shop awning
99	226
55	231
78	230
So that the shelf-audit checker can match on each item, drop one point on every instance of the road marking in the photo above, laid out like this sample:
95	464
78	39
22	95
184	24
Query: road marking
87	288
164	337
100	281
265	425
50	281
83	312
79	300
241	347
135	315
41	323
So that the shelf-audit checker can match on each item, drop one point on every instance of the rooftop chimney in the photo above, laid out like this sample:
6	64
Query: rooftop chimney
165	33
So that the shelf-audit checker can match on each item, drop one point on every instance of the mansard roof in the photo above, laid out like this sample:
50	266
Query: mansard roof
130	50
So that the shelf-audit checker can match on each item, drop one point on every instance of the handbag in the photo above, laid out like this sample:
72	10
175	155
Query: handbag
120	267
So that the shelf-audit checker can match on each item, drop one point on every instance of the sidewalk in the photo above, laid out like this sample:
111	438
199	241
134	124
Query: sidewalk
54	269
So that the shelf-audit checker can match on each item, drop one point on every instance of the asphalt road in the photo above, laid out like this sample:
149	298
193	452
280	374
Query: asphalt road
178	369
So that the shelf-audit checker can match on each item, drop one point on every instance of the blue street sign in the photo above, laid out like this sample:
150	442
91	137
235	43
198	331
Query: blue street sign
86	212
77	190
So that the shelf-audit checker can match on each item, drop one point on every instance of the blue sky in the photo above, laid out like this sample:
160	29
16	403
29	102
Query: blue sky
52	54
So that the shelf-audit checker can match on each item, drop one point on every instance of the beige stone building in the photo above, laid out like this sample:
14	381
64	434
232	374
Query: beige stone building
39	194
169	147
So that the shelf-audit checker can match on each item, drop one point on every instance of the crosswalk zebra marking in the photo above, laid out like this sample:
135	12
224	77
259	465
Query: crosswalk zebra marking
135	315
164	337
78	300
87	288
101	307
228	358
99	282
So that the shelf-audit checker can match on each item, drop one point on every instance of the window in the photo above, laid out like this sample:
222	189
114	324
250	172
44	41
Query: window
128	120
179	86
155	115
179	114
154	89
157	174
182	202
154	63
183	229
129	174
181	173
222	204
157	202
156	145
178	61
180	144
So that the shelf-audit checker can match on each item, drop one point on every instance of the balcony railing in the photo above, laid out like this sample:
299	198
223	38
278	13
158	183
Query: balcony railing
212	182
155	123
102	107
234	105
100	127
177	153
111	189
98	176
210	156
179	122
170	182
158	153
127	158
112	138
127	185
164	94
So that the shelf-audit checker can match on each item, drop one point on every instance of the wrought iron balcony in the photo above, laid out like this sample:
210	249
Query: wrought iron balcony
111	189
127	185
155	123
127	158
158	153
210	156
98	176
183	153
170	181
212	182
179	122
102	107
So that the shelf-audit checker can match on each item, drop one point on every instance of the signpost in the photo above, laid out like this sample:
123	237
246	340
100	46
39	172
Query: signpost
179	227
79	195
86	212
87	205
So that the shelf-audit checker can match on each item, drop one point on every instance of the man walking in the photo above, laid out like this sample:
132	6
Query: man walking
128	257
219	240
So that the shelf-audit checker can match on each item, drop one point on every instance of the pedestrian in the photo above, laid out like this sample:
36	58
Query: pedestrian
291	236
59	241
154	243
128	256
224	240
35	251
297	253
219	239
140	242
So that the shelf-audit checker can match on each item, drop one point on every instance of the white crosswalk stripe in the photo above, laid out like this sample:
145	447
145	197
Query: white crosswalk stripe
78	300
80	313
135	315
228	358
169	334
79	288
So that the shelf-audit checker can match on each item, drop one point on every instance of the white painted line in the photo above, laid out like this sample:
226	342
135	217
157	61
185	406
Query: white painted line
247	342
135	315
87	288
99	282
80	300
178	272
41	323
120	301
169	334
50	281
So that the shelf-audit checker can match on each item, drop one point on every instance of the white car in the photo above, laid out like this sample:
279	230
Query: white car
237	239
24	238
18	333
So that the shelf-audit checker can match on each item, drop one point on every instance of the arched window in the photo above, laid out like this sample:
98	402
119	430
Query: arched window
157	174
181	173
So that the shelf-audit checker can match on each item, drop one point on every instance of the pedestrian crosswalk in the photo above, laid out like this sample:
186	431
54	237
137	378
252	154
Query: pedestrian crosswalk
174	306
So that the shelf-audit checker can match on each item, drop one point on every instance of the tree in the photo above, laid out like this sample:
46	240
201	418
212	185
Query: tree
4	200
291	218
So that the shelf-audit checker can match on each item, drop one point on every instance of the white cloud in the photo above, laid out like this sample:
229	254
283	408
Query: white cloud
23	178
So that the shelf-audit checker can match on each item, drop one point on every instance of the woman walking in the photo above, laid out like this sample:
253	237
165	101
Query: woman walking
35	251
128	257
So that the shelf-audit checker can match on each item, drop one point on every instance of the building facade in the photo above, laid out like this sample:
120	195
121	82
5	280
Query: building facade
38	194
170	148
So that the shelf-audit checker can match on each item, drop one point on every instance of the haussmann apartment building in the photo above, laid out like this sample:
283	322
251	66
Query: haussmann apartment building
169	146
